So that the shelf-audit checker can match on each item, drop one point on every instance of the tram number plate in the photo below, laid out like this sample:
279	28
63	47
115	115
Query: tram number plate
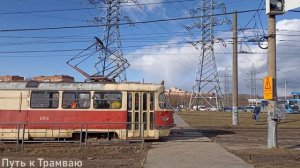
44	118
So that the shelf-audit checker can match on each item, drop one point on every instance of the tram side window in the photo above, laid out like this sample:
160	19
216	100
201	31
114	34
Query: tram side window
145	101
129	101
107	100
152	101
44	99
76	100
163	101
137	101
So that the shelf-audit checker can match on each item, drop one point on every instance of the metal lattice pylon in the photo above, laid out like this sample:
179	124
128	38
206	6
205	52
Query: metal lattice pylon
110	63
227	94
110	60
253	83
206	87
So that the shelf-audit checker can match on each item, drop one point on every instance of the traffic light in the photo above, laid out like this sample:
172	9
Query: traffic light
275	7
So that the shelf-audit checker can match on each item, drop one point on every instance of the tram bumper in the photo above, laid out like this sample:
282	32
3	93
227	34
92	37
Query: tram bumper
164	130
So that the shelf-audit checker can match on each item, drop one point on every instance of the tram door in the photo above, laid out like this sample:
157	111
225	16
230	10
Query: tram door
140	113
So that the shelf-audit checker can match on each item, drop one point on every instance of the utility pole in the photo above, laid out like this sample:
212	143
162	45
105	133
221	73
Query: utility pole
285	83
273	8
272	124
235	117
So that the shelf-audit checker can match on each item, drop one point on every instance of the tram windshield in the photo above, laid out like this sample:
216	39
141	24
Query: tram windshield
163	101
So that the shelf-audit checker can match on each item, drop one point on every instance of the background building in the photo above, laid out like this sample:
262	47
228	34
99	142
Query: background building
11	78
55	78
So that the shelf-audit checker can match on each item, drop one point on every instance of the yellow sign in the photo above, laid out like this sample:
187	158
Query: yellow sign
268	88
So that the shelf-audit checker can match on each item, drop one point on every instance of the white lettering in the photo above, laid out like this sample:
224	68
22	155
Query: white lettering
4	160
23	164
71	164
78	163
65	163
45	163
17	163
40	161
31	163
52	164
11	163
58	163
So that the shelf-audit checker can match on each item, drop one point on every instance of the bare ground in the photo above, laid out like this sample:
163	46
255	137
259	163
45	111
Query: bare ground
249	139
125	155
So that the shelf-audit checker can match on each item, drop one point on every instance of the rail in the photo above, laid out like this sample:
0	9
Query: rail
70	132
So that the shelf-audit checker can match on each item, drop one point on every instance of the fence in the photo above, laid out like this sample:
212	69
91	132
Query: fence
68	132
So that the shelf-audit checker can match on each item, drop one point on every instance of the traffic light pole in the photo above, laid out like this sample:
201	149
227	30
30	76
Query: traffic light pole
272	124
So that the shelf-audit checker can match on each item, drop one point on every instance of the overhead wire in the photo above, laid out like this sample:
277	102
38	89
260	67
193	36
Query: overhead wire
128	47
137	22
88	8
150	39
253	18
149	54
183	33
162	20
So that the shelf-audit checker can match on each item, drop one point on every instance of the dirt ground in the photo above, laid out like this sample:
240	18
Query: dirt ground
249	139
125	155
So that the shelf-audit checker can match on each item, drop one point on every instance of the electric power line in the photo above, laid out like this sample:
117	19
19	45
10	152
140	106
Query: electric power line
138	22
89	8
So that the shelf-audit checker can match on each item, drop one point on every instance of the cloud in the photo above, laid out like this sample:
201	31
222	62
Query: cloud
151	4
288	47
176	64
146	5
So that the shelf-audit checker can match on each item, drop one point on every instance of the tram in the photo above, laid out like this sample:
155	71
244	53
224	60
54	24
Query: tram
34	110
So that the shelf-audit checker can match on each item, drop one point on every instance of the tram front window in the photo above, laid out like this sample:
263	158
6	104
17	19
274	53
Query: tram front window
163	101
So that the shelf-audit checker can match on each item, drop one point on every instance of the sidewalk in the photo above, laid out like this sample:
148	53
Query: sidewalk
187	148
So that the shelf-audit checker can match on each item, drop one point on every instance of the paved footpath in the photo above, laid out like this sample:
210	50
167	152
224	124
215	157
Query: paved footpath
187	148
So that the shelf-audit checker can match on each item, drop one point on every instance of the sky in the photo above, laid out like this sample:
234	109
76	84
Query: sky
157	50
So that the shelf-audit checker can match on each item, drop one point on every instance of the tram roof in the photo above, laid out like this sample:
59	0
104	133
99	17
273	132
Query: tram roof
128	86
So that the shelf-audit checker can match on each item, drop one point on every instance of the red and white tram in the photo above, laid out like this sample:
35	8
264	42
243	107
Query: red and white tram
61	110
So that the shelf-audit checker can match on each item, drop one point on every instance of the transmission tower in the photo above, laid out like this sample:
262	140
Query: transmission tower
108	60
253	82
206	87
227	93
110	64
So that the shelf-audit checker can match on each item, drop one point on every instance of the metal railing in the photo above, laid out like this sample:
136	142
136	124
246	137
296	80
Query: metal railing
65	132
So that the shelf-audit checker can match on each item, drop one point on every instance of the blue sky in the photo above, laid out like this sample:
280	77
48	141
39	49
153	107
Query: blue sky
156	51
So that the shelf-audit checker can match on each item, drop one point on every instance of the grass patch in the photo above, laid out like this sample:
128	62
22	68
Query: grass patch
224	120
